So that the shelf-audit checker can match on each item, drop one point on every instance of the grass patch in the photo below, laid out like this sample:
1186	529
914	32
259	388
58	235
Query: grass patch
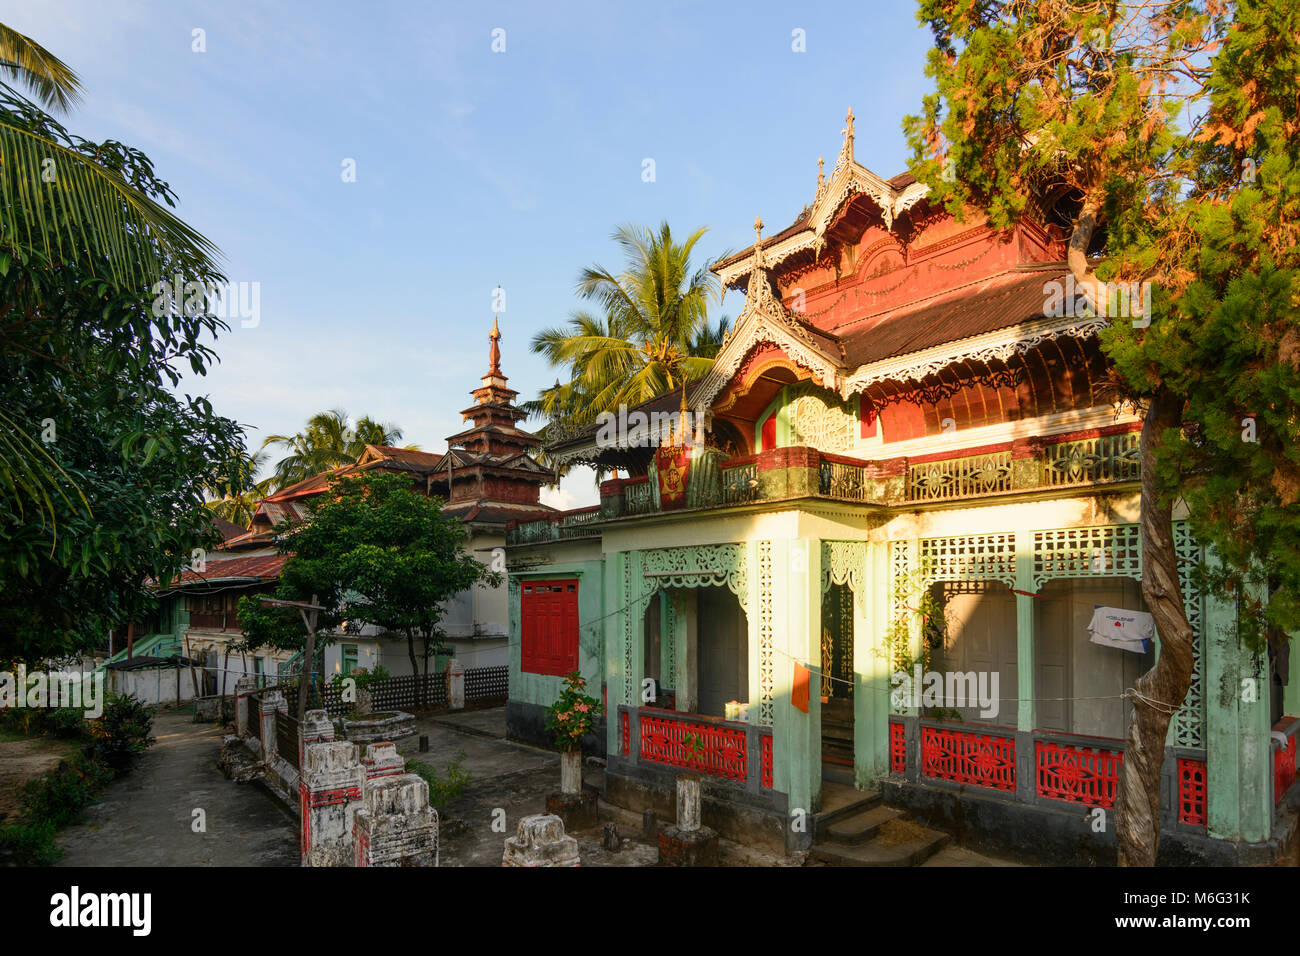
447	787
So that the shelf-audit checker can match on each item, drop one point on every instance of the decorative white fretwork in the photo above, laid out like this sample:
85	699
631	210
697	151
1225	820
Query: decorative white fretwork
1190	719
766	633
843	563
821	424
970	557
709	565
1108	551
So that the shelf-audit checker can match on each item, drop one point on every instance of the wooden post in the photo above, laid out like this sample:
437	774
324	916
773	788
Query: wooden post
309	656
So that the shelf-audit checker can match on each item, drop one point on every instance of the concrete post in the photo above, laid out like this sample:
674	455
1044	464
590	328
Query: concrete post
455	685
272	702
395	825
688	802
243	687
330	790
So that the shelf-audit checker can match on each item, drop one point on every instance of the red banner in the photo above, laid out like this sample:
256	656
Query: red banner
673	463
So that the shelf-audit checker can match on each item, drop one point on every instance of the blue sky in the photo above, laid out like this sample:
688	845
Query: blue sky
473	168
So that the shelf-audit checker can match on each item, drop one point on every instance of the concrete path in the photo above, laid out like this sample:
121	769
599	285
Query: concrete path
146	817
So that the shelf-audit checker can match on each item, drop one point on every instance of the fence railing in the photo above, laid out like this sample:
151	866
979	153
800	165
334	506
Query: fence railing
487	683
838	479
959	477
286	738
739	483
1090	460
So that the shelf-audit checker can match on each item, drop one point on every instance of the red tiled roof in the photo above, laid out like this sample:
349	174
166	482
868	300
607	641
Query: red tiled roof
264	567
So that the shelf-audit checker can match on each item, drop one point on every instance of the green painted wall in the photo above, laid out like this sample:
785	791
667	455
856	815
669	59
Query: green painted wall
543	689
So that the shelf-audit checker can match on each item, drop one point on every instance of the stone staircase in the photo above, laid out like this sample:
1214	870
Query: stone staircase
864	832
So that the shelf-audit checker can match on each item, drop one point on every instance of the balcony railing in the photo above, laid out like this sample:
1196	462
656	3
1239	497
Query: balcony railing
569	524
1017	467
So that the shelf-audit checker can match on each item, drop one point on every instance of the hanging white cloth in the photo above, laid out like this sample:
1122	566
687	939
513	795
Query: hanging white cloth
1121	628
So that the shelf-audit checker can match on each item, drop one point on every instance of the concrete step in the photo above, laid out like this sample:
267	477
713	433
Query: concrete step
861	826
839	801
897	843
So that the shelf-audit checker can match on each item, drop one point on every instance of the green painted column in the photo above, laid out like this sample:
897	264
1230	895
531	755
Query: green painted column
613	643
1025	709
798	735
871	665
1239	763
1291	692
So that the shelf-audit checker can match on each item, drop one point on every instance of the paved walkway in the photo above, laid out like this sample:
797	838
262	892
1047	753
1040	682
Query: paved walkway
145	818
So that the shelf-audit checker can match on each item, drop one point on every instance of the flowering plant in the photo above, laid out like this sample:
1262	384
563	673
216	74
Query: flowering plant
573	715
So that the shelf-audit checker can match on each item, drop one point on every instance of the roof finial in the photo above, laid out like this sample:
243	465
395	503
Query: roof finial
821	176
846	151
494	351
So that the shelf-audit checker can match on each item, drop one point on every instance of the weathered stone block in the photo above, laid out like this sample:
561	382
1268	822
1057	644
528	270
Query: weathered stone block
678	847
541	841
382	760
394	727
395	825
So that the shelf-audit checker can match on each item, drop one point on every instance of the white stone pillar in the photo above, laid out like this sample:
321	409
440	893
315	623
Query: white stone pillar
243	687
330	789
688	802
455	685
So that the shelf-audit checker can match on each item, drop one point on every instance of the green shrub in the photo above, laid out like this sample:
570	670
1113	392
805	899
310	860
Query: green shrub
59	797
443	791
23	844
122	733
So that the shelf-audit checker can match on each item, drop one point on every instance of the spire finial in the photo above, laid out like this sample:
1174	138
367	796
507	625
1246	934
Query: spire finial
494	350
821	176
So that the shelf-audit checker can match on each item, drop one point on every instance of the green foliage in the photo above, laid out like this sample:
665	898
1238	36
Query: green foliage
573	715
103	468
447	787
123	733
1166	139
652	333
28	844
373	551
66	723
328	441
60	797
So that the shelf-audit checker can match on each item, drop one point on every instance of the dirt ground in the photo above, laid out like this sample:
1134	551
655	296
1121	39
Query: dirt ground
23	759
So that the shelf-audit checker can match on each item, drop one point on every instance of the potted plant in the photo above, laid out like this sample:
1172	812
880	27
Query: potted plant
570	718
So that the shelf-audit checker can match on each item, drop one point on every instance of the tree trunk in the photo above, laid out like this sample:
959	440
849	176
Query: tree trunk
1159	692
415	667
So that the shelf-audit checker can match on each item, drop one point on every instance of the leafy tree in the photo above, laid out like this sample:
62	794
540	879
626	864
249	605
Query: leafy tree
329	441
652	333
374	551
102	465
1168	131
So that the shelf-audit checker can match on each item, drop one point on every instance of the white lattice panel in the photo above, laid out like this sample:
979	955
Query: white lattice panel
1110	551
970	557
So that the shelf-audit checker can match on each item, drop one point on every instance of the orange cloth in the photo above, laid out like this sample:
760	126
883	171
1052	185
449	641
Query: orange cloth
799	695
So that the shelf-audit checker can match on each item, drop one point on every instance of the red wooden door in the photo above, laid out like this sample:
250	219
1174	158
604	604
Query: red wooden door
549	627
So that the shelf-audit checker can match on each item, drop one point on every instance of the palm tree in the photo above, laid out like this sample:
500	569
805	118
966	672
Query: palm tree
56	198
236	500
80	209
329	441
654	334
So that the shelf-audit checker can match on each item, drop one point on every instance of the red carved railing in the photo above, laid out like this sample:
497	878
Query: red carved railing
979	759
1283	769
717	751
765	756
1191	792
1077	774
897	747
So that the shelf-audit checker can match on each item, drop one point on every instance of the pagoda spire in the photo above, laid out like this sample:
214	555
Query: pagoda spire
494	349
